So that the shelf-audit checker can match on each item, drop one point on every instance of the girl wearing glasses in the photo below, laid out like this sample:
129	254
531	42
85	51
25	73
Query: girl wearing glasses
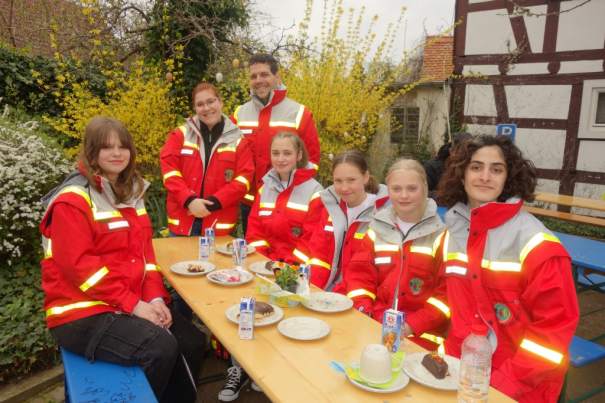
206	168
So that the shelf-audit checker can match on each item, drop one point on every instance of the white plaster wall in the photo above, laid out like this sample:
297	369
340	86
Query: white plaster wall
489	32
538	101
535	28
588	191
485	69
591	156
482	129
433	107
543	147
479	101
582	28
528	68
546	186
582	66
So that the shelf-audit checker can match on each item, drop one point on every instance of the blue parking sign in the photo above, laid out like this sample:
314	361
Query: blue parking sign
507	130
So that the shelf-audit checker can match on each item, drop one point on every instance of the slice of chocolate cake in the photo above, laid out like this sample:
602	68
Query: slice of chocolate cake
261	309
435	365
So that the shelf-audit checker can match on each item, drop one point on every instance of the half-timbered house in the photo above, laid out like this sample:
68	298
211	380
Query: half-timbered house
545	68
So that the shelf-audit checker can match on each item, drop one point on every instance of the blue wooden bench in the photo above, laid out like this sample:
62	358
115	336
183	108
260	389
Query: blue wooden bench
583	352
103	382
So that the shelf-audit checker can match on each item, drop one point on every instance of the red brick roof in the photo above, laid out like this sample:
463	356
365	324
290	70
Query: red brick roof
438	58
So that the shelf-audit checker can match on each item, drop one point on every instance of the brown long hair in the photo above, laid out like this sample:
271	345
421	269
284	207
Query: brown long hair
521	174
97	135
358	160
298	144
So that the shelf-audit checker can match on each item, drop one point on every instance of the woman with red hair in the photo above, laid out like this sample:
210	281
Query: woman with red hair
206	168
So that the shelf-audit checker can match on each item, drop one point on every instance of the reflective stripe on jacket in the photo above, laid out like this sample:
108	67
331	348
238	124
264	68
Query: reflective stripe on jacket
281	217
376	267
228	177
98	255
259	123
333	241
504	269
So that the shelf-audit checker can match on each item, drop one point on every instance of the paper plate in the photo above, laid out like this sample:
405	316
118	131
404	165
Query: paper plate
303	328
259	267
415	370
232	312
246	279
181	268
328	302
402	381
223	249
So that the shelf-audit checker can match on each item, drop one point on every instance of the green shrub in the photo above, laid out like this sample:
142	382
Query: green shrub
25	342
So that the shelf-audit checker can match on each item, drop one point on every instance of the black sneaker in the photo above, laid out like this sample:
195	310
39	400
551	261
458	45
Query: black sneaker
237	378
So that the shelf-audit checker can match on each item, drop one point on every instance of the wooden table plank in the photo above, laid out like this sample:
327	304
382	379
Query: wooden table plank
287	370
572	201
577	218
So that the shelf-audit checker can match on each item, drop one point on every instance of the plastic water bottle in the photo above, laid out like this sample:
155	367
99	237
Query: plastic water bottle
475	366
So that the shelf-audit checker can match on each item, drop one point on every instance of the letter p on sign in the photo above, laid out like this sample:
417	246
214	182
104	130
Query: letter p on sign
507	130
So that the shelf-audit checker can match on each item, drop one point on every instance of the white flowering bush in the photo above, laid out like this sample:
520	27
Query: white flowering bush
30	166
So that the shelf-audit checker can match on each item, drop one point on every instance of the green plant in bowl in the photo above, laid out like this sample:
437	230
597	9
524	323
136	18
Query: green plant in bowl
287	279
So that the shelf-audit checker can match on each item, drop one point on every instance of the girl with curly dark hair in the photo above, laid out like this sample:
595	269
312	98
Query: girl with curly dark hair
504	270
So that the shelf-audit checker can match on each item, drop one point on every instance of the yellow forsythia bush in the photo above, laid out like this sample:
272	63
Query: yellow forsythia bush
140	99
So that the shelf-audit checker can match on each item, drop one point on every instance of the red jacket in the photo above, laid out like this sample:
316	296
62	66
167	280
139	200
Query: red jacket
502	268
375	268
259	123
280	217
333	241
228	177
99	258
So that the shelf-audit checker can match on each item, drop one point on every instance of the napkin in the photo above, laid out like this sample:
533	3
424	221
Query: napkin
353	372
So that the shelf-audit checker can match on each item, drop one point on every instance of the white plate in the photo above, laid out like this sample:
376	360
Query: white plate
181	268
232	312
246	278
402	381
328	302
413	367
223	249
259	267
303	328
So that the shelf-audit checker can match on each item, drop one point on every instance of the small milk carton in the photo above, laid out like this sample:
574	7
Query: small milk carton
204	254
304	272
246	318
211	238
240	252
393	330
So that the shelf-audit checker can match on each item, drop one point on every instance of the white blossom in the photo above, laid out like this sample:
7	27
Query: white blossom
29	167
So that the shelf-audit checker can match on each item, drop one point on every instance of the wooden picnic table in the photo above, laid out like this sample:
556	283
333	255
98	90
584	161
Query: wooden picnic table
287	370
572	201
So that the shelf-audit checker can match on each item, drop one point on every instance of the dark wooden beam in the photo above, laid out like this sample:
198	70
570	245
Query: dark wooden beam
566	56
545	79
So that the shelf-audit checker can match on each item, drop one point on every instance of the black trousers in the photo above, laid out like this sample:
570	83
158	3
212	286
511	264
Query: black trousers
129	341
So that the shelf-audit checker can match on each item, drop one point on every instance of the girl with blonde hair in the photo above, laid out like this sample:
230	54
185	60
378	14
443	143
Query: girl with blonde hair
396	266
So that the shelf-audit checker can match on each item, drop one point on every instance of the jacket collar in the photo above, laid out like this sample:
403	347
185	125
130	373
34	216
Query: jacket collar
384	222
297	176
275	96
485	217
231	132
334	204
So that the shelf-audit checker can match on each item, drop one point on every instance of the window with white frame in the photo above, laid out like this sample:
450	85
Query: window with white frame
592	114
